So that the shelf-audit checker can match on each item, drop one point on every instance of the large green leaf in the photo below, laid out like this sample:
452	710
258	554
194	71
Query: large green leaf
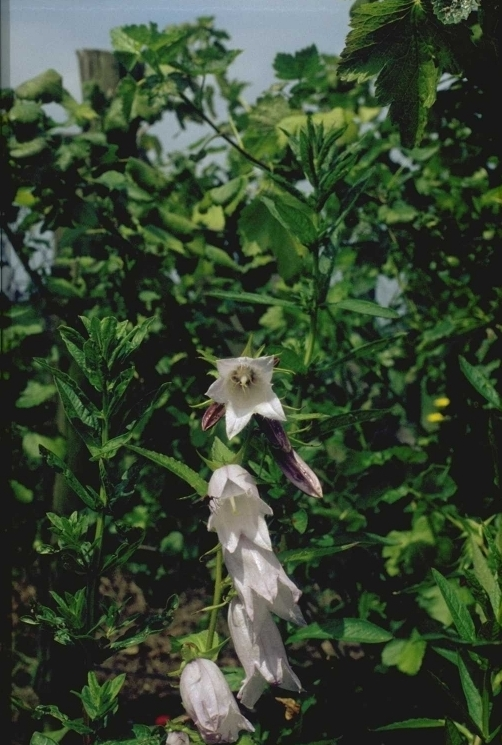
461	616
89	498
344	629
180	469
402	43
473	697
46	87
480	382
418	723
261	232
366	307
252	297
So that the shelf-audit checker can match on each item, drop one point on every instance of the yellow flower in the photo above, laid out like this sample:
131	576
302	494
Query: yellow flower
442	402
435	417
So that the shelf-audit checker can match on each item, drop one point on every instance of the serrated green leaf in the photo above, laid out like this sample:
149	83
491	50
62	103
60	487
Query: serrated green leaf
293	217
343	629
301	555
486	577
298	66
418	723
176	467
453	736
472	695
403	45
251	297
366	307
52	460
480	382
261	233
460	614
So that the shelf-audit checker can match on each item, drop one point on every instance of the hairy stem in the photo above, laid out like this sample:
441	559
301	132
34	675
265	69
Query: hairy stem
218	587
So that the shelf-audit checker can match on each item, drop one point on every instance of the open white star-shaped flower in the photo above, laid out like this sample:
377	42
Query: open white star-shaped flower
245	387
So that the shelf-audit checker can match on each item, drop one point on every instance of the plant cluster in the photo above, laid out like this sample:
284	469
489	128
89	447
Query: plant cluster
357	248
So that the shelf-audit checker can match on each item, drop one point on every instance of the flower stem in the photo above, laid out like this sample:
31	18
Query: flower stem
218	587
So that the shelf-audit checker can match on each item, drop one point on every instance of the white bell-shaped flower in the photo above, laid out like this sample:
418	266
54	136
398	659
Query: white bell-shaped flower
261	654
237	509
257	573
245	387
177	738
210	703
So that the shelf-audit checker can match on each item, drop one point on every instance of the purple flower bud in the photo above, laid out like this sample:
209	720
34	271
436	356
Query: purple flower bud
210	703
261	654
298	472
275	433
212	415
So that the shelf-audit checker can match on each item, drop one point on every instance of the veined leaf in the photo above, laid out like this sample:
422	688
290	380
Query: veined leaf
52	460
293	217
404	44
472	695
180	469
308	554
251	297
344	629
461	616
419	723
480	382
366	307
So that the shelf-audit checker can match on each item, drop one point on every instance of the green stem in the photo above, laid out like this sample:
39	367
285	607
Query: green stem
218	588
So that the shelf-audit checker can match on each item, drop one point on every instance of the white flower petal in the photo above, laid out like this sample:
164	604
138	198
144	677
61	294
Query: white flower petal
237	509
209	702
261	654
244	386
255	570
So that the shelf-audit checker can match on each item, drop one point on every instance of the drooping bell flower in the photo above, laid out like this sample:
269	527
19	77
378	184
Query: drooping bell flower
177	738
210	703
245	387
236	508
258	575
261	654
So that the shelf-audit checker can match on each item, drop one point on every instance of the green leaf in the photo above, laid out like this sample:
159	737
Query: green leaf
261	233
252	297
28	149
419	723
76	725
110	448
21	492
461	616
332	423
454	11
294	216
406	654
453	736
52	460
472	695
298	66
302	555
480	382
46	87
343	629
25	112
38	738
407	48
180	469
35	394
366	307
486	577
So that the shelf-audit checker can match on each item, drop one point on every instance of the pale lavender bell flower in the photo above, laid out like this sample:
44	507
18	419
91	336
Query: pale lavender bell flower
236	508
261	654
177	738
245	387
210	703
257	573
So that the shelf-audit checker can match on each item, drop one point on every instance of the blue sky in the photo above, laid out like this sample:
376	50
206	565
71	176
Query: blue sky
46	33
